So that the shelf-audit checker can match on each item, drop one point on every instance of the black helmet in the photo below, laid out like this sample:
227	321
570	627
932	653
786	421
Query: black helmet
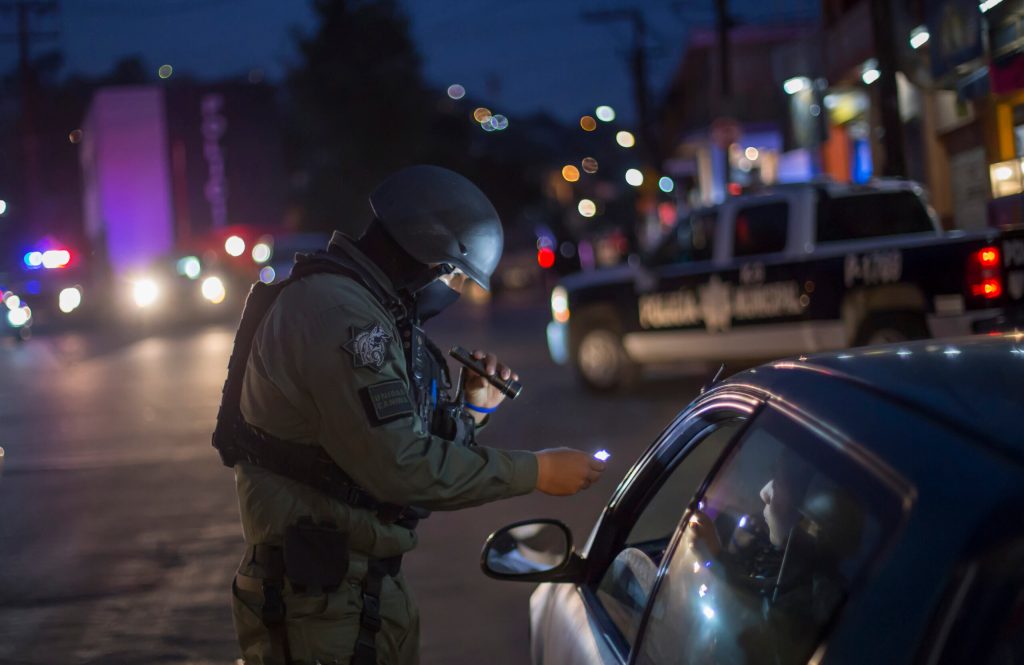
438	216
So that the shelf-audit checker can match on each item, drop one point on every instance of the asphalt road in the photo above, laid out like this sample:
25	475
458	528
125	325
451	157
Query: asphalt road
118	525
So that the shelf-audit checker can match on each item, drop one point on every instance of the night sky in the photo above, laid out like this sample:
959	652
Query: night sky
519	56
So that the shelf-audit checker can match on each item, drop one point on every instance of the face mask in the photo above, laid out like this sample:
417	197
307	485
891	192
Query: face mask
434	298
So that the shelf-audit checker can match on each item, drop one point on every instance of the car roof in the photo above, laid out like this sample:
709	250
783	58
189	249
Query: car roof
975	384
824	186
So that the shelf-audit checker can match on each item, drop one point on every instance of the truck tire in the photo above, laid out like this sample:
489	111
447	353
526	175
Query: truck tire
600	360
890	328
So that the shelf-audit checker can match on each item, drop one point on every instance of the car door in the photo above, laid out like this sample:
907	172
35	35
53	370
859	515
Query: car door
597	620
771	549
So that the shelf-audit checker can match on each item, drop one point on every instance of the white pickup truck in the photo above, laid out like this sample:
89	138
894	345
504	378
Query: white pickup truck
795	269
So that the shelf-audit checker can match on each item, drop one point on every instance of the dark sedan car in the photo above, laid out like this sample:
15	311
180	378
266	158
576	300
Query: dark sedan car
856	507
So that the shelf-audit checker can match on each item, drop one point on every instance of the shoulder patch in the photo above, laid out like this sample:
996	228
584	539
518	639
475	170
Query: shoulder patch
368	346
386	401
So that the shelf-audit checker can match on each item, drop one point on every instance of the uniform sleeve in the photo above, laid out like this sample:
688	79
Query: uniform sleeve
356	374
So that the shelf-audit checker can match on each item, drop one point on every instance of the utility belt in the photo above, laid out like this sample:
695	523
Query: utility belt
309	465
313	559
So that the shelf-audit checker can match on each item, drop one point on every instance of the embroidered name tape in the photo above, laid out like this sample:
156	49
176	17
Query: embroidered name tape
387	401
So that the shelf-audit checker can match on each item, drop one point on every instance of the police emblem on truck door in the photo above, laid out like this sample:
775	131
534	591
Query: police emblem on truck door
368	346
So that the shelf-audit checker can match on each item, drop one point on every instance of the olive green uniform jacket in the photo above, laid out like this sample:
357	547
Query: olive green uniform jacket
306	382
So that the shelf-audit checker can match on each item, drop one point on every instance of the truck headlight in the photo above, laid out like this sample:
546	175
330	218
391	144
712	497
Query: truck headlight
69	299
19	317
560	305
145	292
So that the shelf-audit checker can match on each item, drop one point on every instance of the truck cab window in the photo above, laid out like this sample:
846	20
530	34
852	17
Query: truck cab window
692	239
760	229
871	215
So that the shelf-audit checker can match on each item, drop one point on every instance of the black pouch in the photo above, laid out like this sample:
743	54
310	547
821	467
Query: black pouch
315	555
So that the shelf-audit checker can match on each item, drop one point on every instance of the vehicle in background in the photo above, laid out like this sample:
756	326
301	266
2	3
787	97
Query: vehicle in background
852	507
54	277
210	278
795	269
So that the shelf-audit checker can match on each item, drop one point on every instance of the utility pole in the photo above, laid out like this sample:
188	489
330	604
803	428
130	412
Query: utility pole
725	107
25	10
722	25
889	103
638	70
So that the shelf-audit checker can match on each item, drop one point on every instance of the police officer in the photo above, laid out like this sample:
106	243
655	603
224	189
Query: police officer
344	427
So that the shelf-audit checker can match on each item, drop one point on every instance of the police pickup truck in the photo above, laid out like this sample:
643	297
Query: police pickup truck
796	269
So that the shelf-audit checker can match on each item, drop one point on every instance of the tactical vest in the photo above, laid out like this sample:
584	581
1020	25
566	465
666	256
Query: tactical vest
236	440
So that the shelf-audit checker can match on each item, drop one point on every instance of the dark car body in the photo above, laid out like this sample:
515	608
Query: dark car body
900	539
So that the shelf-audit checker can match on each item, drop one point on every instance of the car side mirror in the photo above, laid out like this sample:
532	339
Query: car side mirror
537	550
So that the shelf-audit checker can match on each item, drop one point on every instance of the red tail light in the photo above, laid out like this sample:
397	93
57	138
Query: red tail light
545	257
984	278
989	257
989	288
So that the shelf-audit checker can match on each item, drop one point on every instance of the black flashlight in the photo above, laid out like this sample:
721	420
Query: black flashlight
510	388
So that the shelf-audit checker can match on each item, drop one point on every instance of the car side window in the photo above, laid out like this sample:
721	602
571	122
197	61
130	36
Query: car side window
626	586
766	558
760	229
692	239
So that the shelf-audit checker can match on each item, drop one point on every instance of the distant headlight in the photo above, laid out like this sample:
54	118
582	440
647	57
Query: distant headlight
69	299
19	317
145	292
560	304
213	290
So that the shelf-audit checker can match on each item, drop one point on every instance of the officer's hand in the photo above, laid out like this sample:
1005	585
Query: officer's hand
478	390
564	471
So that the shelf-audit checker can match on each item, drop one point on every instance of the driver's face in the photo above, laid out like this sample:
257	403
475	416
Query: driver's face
779	511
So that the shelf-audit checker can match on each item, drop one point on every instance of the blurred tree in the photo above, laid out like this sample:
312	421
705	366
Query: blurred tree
360	108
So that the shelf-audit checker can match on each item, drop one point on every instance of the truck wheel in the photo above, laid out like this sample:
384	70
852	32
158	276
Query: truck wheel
890	328
601	361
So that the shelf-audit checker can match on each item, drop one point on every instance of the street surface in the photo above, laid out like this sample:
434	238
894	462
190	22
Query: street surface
118	525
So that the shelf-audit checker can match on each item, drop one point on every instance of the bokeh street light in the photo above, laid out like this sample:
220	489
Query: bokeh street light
587	123
456	91
666	184
869	72
570	173
625	139
3	206
165	71
605	113
587	208
589	165
634	177
919	36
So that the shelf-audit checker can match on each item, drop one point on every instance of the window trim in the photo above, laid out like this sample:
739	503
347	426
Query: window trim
845	458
